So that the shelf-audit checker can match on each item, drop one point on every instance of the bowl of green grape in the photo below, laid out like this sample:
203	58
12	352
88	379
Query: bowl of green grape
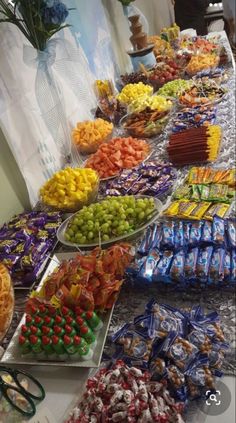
109	220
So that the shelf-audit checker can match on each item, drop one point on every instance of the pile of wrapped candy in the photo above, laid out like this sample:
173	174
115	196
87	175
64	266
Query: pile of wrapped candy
150	178
199	253
125	394
184	349
206	193
25	242
193	117
91	281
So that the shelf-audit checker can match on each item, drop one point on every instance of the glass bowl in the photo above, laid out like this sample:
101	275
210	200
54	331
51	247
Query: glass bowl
151	129
62	229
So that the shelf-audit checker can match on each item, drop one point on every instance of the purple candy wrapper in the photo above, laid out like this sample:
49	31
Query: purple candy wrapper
7	245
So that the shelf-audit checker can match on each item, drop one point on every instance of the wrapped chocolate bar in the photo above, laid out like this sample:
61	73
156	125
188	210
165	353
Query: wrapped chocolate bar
190	265
216	269
151	178
203	264
177	267
25	242
231	232
147	269
161	271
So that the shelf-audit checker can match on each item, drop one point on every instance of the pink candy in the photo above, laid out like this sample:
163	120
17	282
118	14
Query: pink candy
125	395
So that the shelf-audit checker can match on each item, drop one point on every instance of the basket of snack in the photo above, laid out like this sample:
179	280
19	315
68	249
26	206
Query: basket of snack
6	300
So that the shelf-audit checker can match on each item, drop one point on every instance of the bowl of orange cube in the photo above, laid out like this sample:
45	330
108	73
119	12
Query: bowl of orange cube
90	134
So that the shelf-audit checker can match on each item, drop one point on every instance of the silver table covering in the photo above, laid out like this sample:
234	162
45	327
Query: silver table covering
132	299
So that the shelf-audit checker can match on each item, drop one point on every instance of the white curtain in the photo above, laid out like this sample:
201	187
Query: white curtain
159	14
21	120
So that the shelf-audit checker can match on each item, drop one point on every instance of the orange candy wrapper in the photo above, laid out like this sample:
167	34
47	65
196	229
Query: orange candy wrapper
89	281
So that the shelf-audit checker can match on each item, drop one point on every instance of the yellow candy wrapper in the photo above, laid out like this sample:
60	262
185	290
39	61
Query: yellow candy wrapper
219	210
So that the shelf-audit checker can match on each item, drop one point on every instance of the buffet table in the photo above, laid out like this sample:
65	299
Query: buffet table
63	385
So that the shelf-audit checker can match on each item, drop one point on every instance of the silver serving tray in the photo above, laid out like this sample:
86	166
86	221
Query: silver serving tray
13	355
62	229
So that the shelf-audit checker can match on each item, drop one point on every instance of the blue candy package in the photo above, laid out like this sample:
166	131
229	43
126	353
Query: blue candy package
195	233
136	348
168	234
199	377
218	230
177	267
179	235
206	237
146	271
231	232
233	266
146	241
216	268
190	265
203	263
179	351
161	271
156	236
227	267
187	228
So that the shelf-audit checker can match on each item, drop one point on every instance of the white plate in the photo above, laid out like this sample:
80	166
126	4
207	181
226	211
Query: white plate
62	229
13	354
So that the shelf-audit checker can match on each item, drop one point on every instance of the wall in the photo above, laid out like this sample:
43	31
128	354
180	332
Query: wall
13	192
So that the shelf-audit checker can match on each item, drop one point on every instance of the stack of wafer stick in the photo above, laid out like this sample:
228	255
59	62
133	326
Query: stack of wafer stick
194	145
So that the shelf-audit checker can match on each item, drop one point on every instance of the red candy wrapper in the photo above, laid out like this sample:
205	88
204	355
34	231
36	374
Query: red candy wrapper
148	402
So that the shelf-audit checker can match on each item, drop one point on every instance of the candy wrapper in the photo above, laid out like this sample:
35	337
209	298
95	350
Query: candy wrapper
150	178
89	281
188	252
25	242
173	344
125	394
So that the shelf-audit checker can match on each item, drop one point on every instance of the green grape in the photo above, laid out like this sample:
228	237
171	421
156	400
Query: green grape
130	211
141	215
70	232
67	236
74	228
78	237
83	240
90	235
105	237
